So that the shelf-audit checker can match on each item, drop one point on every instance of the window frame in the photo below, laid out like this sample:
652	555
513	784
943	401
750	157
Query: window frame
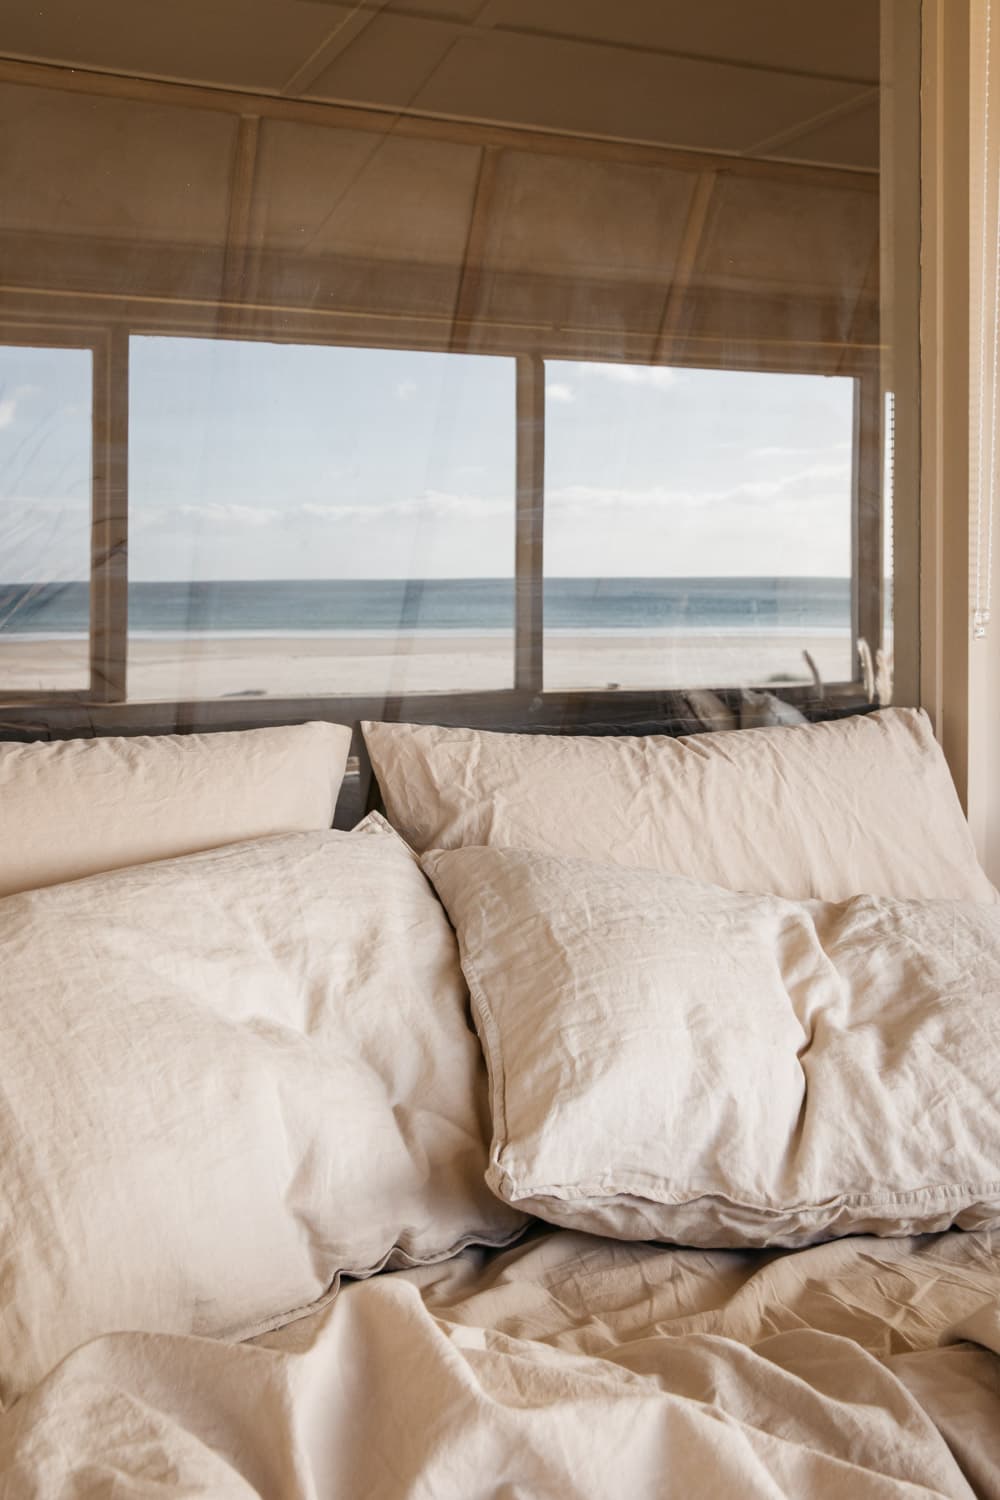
108	528
104	707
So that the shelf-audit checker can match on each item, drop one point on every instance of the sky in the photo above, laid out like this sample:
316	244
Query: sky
253	460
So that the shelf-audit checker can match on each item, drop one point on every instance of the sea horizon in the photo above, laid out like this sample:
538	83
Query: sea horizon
289	608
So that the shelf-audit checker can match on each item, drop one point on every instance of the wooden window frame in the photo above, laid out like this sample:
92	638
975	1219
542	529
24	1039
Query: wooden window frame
104	708
108	562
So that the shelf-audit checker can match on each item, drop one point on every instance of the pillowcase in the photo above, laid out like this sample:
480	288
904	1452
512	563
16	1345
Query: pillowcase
225	1081
820	810
77	807
669	1060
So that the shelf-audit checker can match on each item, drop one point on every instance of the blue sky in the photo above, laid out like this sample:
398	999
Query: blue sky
45	401
281	461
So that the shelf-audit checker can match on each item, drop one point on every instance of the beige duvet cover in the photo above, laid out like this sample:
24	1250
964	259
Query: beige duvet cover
569	1366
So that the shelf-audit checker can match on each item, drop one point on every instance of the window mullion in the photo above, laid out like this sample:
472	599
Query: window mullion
109	529
528	553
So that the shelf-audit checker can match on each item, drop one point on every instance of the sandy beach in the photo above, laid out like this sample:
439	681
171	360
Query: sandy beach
324	665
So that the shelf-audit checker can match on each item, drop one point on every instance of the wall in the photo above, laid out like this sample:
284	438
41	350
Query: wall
960	675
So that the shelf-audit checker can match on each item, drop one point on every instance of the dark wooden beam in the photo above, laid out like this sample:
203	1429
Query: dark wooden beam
109	527
530	518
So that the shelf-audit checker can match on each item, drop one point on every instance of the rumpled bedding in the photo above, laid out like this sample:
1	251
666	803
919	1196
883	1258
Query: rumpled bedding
568	1366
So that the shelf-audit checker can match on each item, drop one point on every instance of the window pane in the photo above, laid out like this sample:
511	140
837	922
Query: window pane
45	483
311	520
697	526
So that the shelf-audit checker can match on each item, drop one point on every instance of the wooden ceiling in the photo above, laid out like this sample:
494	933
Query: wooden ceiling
617	179
792	80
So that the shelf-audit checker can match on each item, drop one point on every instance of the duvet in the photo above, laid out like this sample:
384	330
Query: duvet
568	1366
243	1108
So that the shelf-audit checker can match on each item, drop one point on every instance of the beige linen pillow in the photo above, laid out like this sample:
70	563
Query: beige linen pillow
225	1081
827	810
669	1060
77	807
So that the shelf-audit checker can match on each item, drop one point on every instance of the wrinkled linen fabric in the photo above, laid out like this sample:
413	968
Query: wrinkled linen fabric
78	807
817	810
568	1368
670	1060
225	1080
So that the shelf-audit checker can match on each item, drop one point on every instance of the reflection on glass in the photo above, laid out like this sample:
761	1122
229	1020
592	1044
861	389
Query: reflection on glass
697	527
314	520
45	480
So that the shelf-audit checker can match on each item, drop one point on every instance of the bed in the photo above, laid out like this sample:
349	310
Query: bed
609	1117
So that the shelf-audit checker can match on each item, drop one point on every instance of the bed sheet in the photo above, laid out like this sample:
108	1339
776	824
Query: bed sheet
568	1366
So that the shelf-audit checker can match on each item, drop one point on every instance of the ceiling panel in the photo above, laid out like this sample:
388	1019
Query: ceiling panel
644	69
226	42
840	40
389	63
851	140
465	11
528	80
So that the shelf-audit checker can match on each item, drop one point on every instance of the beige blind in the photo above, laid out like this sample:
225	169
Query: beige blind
355	226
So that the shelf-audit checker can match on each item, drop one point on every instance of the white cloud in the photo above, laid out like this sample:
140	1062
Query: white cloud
815	482
799	524
557	390
242	515
435	533
430	503
809	485
656	377
405	389
44	538
9	404
47	505
779	452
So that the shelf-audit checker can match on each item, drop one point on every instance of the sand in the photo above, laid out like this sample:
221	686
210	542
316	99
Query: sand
327	665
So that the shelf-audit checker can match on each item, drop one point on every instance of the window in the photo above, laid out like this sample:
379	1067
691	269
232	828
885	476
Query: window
328	521
309	520
697	527
45	503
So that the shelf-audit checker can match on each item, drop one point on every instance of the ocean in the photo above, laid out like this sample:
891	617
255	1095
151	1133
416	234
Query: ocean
473	606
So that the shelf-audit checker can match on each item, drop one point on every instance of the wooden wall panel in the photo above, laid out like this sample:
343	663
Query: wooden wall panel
789	237
550	251
360	193
124	169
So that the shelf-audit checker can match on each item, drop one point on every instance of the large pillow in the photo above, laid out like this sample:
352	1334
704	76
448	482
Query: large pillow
669	1060
77	807
225	1081
822	810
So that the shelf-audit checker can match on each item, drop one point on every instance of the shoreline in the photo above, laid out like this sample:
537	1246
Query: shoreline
321	664
442	633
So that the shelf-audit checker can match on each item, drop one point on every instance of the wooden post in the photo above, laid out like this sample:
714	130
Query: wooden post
109	526
528	548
